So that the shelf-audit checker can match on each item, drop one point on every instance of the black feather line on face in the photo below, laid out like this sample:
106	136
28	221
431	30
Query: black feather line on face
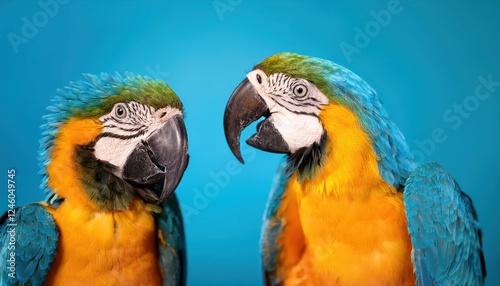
307	160
122	137
294	102
101	184
295	111
103	187
138	128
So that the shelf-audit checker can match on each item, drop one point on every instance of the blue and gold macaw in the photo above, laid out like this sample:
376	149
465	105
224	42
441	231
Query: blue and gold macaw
113	152
349	206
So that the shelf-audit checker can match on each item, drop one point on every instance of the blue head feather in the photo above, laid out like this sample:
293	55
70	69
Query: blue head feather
91	98
344	87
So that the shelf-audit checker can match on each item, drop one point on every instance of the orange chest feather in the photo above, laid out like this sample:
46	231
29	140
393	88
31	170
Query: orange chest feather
357	241
348	223
105	248
353	242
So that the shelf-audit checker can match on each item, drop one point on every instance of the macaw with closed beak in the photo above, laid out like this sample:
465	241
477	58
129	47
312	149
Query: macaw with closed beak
113	152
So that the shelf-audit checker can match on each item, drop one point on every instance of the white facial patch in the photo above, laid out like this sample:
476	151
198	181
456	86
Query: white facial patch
125	127
297	130
115	151
294	104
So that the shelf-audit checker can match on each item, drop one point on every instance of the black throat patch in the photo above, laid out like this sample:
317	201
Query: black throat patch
102	186
307	160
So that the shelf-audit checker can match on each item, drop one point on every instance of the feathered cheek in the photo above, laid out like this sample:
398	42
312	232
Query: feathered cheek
298	130
114	151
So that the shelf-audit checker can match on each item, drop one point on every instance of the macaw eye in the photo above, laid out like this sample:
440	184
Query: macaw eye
259	79
300	90
120	111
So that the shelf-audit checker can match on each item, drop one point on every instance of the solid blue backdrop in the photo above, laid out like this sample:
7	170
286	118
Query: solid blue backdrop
425	60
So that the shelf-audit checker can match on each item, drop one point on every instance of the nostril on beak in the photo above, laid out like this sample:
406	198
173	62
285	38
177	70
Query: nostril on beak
163	114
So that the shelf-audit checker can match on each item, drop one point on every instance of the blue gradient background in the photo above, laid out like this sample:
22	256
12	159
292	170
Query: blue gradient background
425	60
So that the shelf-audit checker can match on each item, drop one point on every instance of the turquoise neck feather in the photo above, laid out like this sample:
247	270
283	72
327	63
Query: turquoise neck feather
342	86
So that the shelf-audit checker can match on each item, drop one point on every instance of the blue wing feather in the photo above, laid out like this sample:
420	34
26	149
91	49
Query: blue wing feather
273	225
443	225
172	250
36	236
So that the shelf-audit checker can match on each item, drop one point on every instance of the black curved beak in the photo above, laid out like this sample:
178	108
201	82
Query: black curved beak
244	107
157	164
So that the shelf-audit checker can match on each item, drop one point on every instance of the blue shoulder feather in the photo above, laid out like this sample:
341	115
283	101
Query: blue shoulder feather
444	230
35	235
395	160
172	250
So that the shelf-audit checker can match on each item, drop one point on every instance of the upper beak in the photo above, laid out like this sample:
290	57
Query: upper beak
157	164
244	107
